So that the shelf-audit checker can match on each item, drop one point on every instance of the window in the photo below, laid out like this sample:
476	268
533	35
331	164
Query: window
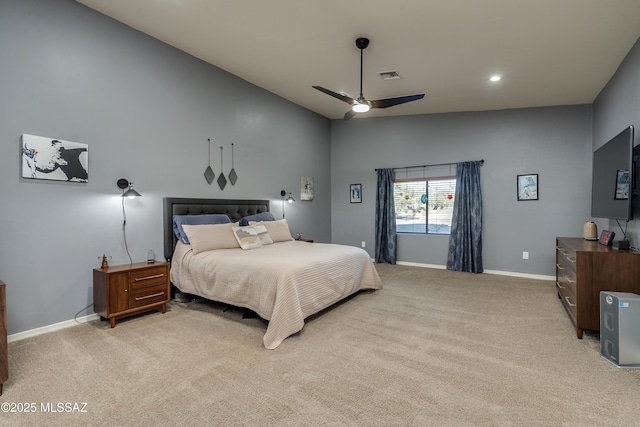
424	205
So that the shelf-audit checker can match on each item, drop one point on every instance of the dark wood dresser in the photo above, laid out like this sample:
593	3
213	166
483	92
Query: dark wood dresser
125	290
583	269
4	354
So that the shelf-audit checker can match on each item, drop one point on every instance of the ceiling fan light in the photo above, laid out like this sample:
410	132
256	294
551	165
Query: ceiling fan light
360	108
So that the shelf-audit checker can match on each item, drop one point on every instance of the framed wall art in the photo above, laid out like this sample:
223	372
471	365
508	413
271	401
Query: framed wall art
355	193
306	188
527	187
54	159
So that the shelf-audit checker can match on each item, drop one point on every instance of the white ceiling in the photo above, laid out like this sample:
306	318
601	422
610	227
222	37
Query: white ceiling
548	52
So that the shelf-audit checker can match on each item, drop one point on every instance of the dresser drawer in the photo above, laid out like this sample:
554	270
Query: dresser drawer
148	277
568	299
148	295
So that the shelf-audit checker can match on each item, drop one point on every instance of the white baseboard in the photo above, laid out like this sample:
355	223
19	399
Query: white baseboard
497	272
50	328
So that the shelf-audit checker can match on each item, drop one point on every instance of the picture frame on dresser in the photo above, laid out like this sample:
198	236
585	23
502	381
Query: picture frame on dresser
606	237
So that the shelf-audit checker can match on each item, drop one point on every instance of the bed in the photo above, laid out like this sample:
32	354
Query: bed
284	282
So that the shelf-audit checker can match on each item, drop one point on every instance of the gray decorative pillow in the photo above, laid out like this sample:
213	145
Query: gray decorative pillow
263	235
247	237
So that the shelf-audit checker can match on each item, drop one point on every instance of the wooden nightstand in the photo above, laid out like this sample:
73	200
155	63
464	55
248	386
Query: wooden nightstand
125	290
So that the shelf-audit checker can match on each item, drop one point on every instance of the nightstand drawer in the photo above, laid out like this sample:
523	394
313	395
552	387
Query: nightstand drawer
146	296
148	277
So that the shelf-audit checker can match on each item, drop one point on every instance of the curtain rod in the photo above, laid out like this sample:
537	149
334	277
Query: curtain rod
430	166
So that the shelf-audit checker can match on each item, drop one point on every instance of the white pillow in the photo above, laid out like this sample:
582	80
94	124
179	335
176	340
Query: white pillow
207	237
278	230
247	237
265	239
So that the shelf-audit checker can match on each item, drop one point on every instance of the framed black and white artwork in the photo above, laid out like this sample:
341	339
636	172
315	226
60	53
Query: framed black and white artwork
355	191
306	188
54	159
528	187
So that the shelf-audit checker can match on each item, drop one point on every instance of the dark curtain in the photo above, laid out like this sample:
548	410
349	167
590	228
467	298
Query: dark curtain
465	242
385	218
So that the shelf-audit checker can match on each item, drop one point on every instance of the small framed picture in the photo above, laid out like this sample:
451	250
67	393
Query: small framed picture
355	193
622	185
606	237
527	187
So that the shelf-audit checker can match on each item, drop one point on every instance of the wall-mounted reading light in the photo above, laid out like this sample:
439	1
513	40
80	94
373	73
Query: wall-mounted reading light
130	193
288	197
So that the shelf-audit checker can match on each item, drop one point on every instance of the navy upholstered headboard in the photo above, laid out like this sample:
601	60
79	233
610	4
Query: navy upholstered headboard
234	209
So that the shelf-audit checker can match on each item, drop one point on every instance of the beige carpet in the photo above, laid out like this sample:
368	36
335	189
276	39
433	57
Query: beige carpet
433	348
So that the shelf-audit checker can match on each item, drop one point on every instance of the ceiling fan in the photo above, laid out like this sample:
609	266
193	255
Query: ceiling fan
362	105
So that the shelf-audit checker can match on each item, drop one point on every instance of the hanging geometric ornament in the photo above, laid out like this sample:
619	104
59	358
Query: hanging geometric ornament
208	173
423	198
450	196
222	181
233	176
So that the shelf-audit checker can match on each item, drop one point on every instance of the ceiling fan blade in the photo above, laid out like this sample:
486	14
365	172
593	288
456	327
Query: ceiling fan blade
390	102
349	114
335	95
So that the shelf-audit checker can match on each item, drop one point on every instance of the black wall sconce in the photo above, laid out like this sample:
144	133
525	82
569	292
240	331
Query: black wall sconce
288	197
130	193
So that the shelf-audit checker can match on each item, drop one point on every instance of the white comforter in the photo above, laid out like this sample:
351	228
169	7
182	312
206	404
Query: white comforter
284	282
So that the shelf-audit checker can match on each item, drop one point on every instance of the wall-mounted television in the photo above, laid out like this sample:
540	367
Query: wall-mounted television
613	178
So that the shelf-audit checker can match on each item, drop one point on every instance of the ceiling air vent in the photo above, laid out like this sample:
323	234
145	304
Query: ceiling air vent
389	75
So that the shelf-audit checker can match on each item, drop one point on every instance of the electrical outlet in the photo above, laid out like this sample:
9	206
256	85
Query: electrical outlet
525	255
363	243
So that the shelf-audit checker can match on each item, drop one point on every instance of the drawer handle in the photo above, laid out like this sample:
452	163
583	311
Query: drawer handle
155	276
569	302
149	296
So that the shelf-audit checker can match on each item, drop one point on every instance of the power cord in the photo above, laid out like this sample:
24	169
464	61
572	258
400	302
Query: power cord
76	316
124	231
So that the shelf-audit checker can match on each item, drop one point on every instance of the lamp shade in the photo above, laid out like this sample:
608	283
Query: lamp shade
130	193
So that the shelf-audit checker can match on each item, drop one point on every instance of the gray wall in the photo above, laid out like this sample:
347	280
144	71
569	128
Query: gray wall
555	143
145	109
618	106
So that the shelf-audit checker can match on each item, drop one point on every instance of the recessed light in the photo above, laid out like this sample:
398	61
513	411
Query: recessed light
495	78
